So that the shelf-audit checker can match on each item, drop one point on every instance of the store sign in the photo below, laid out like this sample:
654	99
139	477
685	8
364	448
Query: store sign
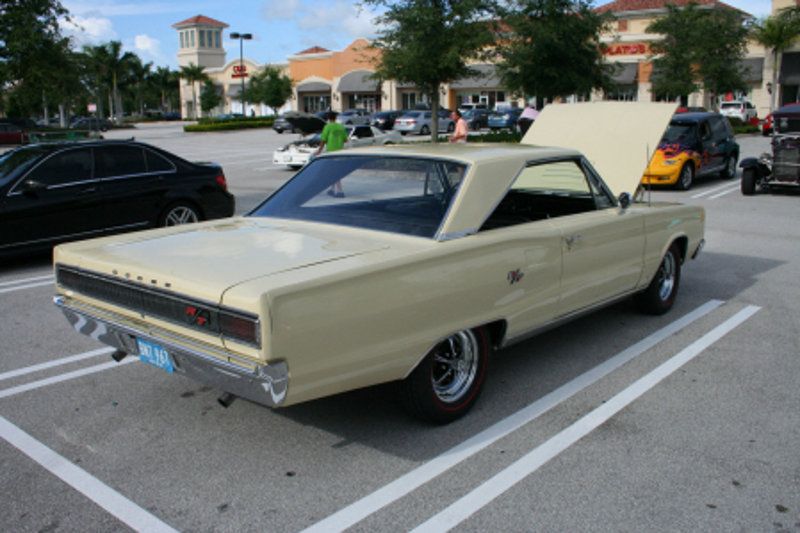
239	71
628	49
91	108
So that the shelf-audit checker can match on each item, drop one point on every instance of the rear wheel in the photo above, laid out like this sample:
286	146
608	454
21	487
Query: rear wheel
686	178
659	296
179	213
425	130
729	172
446	384
748	182
451	128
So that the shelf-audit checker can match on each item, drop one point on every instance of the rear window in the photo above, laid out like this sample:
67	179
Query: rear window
395	194
730	105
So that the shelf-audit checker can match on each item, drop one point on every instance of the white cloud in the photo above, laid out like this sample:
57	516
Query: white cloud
88	30
114	9
280	9
149	49
338	18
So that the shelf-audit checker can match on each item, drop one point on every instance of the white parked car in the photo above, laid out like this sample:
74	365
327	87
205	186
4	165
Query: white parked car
744	111
298	153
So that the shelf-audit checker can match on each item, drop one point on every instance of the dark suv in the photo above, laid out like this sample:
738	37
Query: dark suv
781	168
55	192
694	145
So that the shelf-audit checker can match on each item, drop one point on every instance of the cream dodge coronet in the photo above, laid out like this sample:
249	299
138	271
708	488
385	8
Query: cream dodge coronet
407	264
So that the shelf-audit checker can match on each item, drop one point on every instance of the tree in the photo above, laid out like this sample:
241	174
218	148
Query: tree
210	96
777	33
31	47
709	44
553	49
428	42
269	87
118	66
166	83
193	74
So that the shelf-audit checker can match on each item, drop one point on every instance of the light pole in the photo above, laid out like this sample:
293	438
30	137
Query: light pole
242	74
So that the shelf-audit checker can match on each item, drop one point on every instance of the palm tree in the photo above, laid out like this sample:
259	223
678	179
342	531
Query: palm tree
166	82
118	65
193	74
776	33
140	76
94	60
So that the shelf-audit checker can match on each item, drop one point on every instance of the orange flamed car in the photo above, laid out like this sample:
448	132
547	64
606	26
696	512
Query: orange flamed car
694	145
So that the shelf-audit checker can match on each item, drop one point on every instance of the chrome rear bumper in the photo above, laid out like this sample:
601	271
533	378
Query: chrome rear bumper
263	384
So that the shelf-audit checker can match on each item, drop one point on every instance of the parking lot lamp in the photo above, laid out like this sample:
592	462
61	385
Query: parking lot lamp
242	37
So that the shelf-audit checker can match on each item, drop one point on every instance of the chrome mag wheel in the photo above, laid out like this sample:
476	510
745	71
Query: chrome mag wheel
455	366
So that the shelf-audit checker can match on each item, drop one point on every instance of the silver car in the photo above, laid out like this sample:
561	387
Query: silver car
354	117
421	122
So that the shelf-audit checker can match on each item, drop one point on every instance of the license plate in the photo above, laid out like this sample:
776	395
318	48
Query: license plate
287	158
153	354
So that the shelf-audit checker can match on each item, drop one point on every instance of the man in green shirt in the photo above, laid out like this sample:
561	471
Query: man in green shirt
332	139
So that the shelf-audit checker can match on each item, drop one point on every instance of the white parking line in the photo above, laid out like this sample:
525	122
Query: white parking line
11	391
271	167
723	193
26	280
27	286
112	501
50	364
409	482
519	470
711	191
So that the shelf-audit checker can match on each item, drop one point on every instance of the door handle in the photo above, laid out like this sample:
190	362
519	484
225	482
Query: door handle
88	190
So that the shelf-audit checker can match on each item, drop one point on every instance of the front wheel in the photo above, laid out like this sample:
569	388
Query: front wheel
659	296
179	213
686	178
748	182
446	384
451	128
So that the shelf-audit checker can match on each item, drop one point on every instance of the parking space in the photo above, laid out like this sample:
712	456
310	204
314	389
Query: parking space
687	421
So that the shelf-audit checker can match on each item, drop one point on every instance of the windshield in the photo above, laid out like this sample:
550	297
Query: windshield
395	194
16	161
679	133
730	105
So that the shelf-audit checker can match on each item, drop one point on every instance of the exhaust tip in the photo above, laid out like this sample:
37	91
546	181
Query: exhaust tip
119	355
226	399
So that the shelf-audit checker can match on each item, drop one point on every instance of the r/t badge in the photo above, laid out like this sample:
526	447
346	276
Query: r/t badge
515	276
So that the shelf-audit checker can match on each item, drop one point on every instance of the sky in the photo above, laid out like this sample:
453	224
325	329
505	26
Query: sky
280	28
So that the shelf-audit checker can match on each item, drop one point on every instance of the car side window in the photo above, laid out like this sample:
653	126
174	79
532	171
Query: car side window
157	163
63	168
719	128
705	131
546	190
119	161
363	132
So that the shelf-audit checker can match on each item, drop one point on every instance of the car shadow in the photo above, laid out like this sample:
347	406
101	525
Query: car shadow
10	265
525	372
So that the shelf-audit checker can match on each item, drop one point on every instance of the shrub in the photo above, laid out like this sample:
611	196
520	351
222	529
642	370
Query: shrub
232	124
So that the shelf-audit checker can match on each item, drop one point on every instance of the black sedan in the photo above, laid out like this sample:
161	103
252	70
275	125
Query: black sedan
385	119
50	193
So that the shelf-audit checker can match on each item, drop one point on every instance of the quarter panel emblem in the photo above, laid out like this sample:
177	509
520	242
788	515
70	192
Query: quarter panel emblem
515	276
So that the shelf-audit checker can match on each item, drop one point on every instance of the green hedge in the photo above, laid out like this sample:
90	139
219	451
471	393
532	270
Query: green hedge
232	124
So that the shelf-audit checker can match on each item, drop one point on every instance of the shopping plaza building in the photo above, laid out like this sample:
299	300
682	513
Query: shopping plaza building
343	79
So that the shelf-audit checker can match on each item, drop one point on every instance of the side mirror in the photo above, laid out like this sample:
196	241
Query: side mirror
624	200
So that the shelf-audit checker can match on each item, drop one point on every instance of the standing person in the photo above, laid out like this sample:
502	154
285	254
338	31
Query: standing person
332	139
460	132
527	117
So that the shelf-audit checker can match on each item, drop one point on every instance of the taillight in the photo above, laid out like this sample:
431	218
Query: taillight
239	328
220	179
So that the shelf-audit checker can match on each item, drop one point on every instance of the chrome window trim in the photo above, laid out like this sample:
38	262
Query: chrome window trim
13	192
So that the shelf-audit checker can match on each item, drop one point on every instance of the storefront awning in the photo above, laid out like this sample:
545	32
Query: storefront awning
625	73
487	79
790	69
753	68
314	87
358	81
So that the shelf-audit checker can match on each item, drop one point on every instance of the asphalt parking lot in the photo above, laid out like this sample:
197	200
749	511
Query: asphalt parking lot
616	422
